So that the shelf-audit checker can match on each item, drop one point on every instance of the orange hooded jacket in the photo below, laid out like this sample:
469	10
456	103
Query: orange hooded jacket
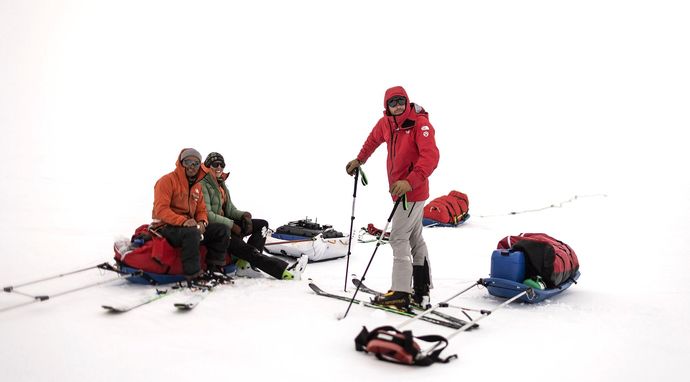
175	201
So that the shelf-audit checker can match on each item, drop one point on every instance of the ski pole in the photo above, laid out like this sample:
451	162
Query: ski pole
12	287
443	303
41	298
378	243
352	221
487	313
468	325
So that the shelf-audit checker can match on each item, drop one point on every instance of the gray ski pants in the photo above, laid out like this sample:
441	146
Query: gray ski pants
408	245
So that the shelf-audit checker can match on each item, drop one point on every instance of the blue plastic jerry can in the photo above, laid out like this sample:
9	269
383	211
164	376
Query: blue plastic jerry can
508	265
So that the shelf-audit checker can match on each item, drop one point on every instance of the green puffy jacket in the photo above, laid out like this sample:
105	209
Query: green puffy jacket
217	213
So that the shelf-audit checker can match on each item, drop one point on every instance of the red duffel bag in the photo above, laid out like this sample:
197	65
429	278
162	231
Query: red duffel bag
546	256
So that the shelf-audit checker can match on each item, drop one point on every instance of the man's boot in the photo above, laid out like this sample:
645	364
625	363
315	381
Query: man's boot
394	298
420	284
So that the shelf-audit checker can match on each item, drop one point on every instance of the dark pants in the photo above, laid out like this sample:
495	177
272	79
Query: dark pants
245	251
216	240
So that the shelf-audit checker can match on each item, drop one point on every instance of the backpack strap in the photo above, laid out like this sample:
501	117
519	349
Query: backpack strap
442	204
462	198
448	205
434	356
361	339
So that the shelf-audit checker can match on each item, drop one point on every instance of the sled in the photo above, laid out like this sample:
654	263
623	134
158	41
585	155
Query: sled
150	278
504	288
316	248
152	255
426	222
507	278
305	237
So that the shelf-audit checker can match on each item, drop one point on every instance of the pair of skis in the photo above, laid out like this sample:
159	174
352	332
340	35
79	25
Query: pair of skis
198	294
417	308
159	294
441	318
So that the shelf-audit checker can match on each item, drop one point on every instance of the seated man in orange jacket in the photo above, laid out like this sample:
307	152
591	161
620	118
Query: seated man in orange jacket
179	215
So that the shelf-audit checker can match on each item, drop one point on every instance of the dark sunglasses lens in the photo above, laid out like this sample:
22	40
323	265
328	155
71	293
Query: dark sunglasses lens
396	101
218	164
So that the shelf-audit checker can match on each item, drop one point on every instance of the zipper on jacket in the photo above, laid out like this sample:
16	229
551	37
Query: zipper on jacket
189	201
394	138
391	152
394	141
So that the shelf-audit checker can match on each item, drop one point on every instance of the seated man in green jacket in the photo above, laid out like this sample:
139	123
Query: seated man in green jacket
220	209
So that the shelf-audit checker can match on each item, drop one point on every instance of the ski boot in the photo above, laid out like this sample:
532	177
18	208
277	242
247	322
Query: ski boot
244	269
294	272
395	299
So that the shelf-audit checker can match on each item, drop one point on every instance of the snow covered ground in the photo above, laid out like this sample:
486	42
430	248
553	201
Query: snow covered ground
533	102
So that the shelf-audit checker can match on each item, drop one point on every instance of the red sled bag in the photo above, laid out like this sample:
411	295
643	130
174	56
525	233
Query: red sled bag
547	257
392	345
150	252
373	231
451	209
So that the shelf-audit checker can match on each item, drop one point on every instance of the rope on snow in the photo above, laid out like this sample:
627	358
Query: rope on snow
555	205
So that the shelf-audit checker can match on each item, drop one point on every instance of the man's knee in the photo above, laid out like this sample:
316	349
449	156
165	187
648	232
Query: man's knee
191	235
399	244
217	230
259	223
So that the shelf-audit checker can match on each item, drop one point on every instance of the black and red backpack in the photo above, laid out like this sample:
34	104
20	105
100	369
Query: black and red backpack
392	345
545	256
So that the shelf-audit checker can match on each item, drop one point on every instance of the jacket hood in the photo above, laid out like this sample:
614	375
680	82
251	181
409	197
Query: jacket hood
404	120
392	92
179	169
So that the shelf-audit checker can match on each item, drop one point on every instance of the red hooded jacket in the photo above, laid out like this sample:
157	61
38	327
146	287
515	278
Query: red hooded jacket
412	151
175	201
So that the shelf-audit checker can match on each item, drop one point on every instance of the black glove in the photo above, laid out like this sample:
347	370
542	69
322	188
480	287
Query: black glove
247	226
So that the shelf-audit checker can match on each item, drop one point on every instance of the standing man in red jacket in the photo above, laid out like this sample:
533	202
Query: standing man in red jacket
412	157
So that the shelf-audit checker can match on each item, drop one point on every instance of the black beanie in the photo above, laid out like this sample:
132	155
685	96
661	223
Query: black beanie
214	157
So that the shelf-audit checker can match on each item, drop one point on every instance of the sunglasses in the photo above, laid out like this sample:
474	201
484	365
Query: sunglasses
396	101
218	164
191	163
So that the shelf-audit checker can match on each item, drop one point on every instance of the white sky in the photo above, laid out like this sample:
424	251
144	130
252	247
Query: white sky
533	102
